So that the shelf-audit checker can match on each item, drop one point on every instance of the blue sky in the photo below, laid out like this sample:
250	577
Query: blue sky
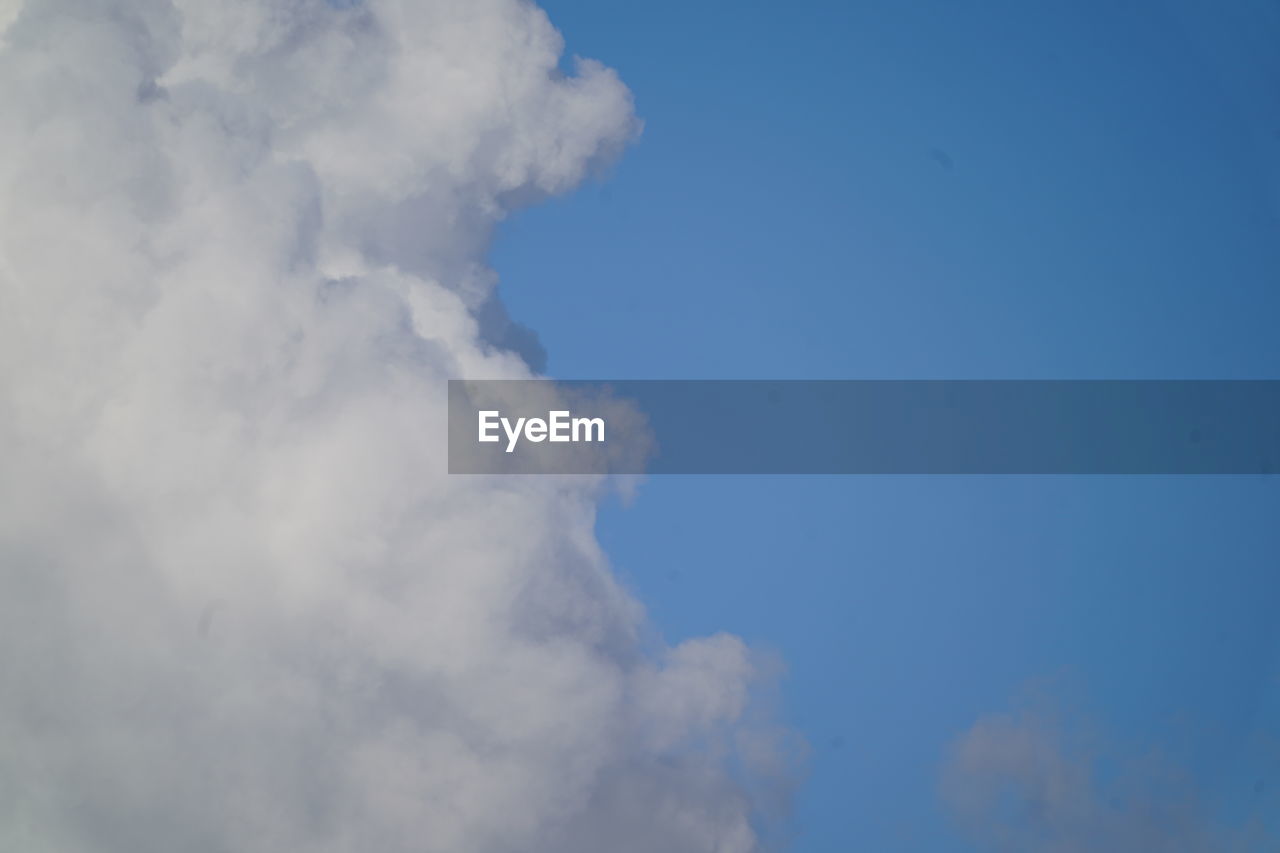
943	190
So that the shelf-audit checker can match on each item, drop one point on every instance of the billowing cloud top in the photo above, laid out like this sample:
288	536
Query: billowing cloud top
242	608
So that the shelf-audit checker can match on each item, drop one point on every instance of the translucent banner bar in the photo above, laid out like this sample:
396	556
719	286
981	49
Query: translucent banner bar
863	427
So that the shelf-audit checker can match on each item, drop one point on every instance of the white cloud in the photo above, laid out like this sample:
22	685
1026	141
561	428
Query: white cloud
242	608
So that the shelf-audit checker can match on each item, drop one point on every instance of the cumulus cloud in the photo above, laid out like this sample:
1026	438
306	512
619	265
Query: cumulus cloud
242	607
1029	782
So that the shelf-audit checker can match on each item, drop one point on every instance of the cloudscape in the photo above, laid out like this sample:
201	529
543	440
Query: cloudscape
598	426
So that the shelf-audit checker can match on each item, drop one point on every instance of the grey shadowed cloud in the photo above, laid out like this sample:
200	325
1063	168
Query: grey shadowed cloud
1036	781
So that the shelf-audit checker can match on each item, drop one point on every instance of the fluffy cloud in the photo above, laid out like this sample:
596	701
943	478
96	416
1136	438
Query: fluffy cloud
242	607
